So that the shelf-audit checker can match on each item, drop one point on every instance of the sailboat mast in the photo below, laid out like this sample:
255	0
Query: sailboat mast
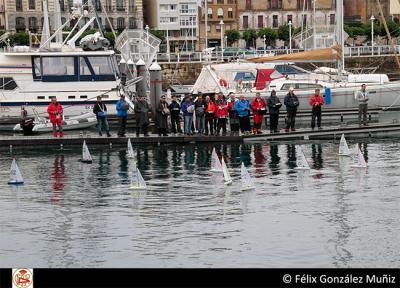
314	27
339	34
46	26
378	3
206	22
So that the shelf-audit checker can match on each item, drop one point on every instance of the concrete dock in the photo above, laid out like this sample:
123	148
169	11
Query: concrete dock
92	138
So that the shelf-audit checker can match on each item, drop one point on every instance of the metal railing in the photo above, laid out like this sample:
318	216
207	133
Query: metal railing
368	51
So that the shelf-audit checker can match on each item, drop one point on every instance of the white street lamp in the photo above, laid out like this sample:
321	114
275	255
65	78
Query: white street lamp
290	36
265	44
168	50
221	23
147	41
372	33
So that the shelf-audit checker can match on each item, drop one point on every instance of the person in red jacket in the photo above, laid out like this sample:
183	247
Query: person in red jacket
259	109
221	113
316	101
55	111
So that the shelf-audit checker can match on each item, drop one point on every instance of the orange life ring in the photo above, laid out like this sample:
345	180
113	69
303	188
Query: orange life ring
223	82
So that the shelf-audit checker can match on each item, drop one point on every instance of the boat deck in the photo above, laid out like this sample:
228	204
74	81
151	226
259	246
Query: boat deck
91	138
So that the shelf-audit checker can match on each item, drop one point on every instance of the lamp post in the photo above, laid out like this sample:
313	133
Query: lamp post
221	23
265	44
147	41
290	36
372	33
168	52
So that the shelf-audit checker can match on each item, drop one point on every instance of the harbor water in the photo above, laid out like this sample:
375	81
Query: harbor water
72	214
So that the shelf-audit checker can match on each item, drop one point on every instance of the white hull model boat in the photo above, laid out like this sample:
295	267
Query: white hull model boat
41	125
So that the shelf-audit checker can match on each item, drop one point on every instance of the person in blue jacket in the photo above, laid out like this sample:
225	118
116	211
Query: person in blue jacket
188	110
122	113
243	109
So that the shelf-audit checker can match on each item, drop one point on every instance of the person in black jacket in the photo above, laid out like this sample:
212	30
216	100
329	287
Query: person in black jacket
175	110
274	104
100	110
291	103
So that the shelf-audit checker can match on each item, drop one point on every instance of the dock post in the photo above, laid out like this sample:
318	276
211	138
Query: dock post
155	86
369	117
10	148
141	85
341	118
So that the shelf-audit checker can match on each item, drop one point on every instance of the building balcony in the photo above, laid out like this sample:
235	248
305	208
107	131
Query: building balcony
121	8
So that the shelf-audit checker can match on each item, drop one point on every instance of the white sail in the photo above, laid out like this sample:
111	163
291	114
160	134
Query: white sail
137	181
227	176
358	158
215	162
130	149
343	147
15	174
301	162
247	182
86	157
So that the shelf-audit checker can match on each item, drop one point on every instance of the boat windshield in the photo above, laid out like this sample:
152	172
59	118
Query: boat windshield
75	68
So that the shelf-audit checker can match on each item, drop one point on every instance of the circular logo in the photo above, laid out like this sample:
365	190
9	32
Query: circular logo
22	278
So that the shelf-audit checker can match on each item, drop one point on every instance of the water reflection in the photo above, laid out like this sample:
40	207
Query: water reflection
275	159
291	156
259	159
58	176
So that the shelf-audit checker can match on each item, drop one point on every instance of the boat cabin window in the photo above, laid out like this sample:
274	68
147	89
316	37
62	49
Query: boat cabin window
41	97
301	86
105	96
288	69
7	83
74	68
71	97
83	97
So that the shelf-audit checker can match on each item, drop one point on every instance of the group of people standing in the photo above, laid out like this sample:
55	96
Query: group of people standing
211	113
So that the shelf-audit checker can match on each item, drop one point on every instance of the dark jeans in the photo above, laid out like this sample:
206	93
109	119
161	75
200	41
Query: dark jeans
175	124
244	123
273	122
291	118
362	113
162	131
102	123
144	129
122	126
222	124
209	126
200	122
316	113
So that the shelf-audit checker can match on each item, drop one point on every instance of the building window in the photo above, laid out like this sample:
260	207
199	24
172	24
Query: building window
120	5
32	5
18	5
228	27
245	22
132	23
208	28
260	22
220	13
20	24
220	1
32	22
62	6
230	2
305	4
275	22
218	28
332	19
210	12
120	23
248	4
275	4
304	19
290	18
230	13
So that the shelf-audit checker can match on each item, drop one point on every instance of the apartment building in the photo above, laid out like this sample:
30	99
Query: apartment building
2	15
26	15
258	14
356	11
176	18
217	10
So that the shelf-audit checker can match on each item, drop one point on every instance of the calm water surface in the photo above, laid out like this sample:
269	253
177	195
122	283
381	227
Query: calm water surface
70	214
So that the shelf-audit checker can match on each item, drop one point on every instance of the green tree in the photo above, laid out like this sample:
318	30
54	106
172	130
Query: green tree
250	35
232	35
159	34
283	32
270	35
20	38
110	37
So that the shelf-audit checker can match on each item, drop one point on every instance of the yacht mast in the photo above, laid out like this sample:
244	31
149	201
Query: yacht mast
46	28
57	21
378	3
314	27
339	34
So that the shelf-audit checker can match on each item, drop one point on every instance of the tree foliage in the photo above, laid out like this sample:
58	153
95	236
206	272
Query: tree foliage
270	35
159	34
250	35
232	35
